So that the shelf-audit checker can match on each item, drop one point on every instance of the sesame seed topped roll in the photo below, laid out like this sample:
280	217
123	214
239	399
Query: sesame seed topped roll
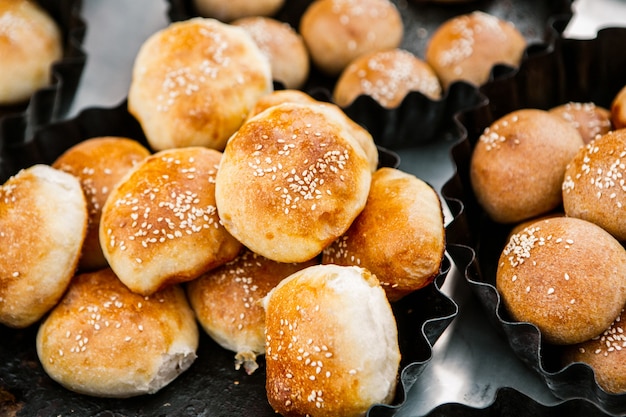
106	341
160	226
618	109
291	181
565	275
332	343
590	120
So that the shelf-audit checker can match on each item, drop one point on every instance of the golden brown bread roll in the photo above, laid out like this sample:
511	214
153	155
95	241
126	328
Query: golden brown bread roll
618	109
226	301
399	236
606	354
386	76
590	120
30	42
194	82
283	46
594	188
291	181
106	341
160	226
565	275
332	343
99	163
279	97
338	31
43	222
466	47
518	164
228	10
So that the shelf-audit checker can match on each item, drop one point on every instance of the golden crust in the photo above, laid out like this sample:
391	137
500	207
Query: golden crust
291	181
332	347
592	189
43	222
99	163
386	76
226	301
194	83
338	31
399	236
590	120
466	47
160	225
103	340
618	109
518	164
30	42
565	275
229	10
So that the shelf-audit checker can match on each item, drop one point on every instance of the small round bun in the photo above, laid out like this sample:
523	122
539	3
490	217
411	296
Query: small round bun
99	163
338	31
292	180
518	164
160	226
106	341
43	223
565	275
279	97
283	46
332	343
399	236
226	303
590	120
229	10
618	109
386	76
593	187
194	82
30	42
466	47
606	354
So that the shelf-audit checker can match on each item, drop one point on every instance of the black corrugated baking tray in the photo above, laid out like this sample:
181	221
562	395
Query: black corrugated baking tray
573	70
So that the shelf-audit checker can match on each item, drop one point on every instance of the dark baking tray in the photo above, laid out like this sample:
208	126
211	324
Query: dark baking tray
572	70
52	102
211	386
417	119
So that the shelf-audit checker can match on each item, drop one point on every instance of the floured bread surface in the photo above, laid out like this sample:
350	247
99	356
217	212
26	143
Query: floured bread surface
194	82
226	303
103	340
43	222
30	42
399	236
291	181
332	344
160	226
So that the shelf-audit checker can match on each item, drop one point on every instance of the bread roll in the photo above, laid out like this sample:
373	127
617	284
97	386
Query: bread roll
338	31
105	341
283	46
466	47
279	97
594	187
160	226
99	163
518	164
386	76
565	275
618	109
399	236
292	180
606	354
194	82
590	120
332	343
226	303
30	42
43	222
228	10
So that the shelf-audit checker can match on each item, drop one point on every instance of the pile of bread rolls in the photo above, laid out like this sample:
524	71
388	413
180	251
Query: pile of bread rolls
558	177
261	216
